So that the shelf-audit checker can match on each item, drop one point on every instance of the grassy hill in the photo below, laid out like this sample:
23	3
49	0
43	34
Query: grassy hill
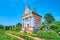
4	36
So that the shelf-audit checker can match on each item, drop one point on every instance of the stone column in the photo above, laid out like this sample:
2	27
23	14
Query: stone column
30	21
23	23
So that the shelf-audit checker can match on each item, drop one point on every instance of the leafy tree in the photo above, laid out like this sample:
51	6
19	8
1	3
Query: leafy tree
8	27
2	27
49	18
34	9
18	24
17	27
13	27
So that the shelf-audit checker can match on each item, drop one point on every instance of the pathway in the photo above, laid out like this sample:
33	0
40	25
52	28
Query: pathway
35	38
15	36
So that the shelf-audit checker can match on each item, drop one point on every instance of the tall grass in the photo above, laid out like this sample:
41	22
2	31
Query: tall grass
4	36
48	35
22	35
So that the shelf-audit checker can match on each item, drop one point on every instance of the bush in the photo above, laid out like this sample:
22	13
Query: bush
47	34
1	27
55	26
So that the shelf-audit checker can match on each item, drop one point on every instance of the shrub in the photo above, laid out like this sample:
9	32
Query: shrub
47	34
55	26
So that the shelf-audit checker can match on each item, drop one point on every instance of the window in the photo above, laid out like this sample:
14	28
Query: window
27	25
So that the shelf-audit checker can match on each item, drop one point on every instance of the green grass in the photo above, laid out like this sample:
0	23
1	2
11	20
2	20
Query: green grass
48	35
4	36
22	35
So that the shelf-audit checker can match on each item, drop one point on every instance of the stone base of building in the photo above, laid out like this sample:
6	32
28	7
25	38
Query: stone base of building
28	30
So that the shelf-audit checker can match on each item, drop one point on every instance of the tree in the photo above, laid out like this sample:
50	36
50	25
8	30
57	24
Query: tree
34	10
2	27
49	18
6	27
13	27
18	24
17	27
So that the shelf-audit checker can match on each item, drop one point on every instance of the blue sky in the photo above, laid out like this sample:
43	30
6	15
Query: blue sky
11	11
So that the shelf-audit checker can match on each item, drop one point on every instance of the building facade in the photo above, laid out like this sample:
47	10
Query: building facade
31	21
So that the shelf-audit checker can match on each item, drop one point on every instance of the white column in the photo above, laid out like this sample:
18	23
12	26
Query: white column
23	23
30	21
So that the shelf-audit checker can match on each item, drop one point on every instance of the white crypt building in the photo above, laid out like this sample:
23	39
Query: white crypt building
31	21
